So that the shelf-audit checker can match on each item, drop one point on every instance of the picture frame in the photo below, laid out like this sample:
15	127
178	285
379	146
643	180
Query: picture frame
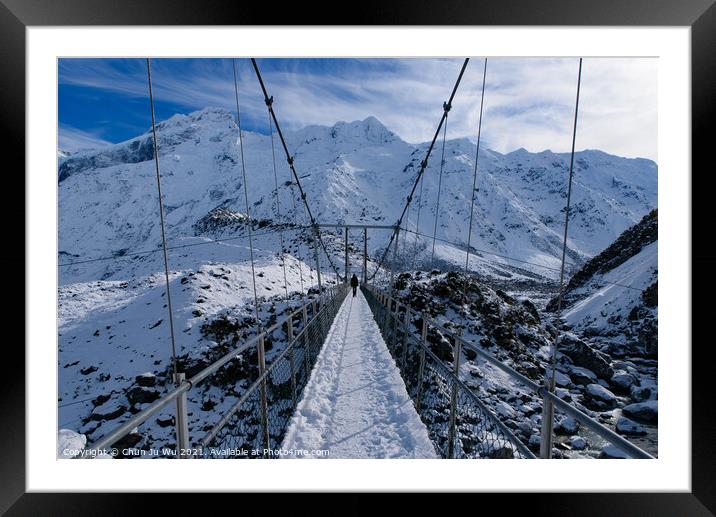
700	15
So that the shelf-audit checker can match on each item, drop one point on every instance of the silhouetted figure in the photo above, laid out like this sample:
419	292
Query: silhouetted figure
354	283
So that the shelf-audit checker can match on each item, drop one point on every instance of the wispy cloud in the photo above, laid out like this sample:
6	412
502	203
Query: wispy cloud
73	139
528	102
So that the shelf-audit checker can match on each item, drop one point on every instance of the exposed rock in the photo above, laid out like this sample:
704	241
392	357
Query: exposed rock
502	452
165	420
503	409
567	426
108	412
650	295
128	441
440	345
577	443
600	397
629	427
208	404
582	376
141	395
584	355
147	380
612	452
562	380
100	399
622	381
640	394
647	411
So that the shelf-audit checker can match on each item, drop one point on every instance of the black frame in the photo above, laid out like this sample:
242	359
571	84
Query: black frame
700	15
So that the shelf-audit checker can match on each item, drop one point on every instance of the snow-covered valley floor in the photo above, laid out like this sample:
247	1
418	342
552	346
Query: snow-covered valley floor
356	404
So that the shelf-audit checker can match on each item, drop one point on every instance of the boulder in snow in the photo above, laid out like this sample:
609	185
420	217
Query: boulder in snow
147	380
647	411
567	426
599	398
69	443
612	452
629	427
577	443
584	355
581	375
622	381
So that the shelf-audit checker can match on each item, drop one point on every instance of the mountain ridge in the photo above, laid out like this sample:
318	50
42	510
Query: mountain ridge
353	172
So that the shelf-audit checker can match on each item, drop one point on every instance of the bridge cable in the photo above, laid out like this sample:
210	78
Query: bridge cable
417	225
246	198
269	102
440	181
475	252
423	166
161	223
548	408
127	255
474	181
298	248
278	212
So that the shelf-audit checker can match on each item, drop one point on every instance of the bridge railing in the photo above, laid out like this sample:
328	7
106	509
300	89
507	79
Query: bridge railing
260	416
459	425
458	422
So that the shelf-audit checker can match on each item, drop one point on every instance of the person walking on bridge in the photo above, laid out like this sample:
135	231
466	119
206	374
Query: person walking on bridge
354	283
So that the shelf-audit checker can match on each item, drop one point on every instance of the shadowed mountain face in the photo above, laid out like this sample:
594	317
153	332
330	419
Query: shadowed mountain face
613	298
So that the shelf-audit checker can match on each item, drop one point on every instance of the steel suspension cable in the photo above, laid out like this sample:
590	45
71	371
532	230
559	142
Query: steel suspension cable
278	210
128	255
298	248
246	199
423	166
475	252
161	223
437	202
269	102
417	224
474	179
548	407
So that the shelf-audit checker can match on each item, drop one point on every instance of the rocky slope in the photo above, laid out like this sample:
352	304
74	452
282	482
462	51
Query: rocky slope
618	392
613	298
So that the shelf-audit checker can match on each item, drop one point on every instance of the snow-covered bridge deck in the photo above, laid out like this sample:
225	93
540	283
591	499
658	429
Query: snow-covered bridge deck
355	404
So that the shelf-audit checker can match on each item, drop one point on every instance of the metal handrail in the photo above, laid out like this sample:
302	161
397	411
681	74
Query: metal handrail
144	415
582	417
506	430
256	384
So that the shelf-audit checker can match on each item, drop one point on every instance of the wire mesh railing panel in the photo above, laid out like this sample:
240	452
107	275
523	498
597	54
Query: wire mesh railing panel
478	434
303	369
281	395
284	381
458	424
242	437
434	409
411	367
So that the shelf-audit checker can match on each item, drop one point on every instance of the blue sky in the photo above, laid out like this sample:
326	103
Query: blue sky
529	102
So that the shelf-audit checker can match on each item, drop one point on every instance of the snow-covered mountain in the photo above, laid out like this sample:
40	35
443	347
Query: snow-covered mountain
113	329
352	172
613	298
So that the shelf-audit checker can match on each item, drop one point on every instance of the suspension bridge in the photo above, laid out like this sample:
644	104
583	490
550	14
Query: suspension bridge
356	376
